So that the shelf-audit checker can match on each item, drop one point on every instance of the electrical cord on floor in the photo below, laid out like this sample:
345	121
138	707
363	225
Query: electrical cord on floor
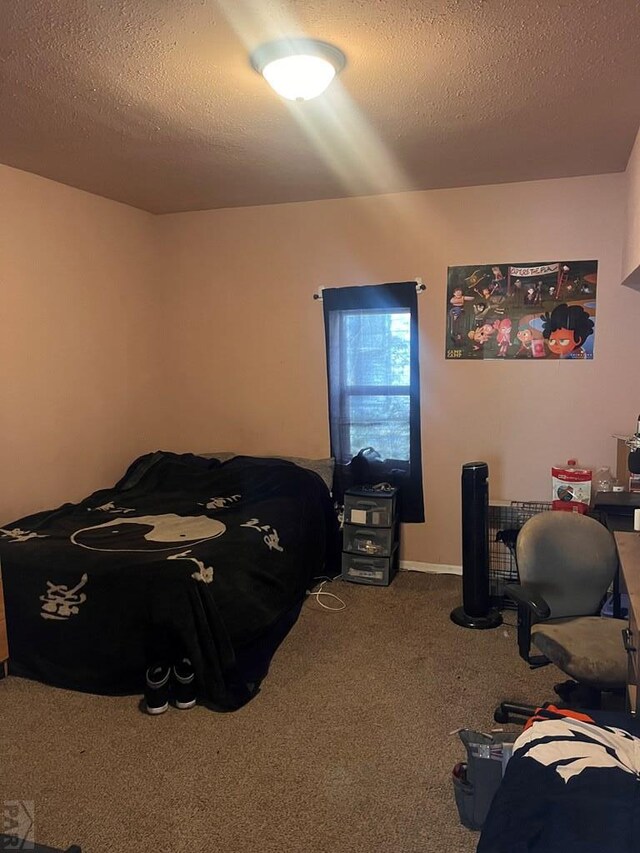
320	592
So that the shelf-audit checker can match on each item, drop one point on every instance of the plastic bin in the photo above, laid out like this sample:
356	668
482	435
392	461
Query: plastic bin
376	571
370	541
370	507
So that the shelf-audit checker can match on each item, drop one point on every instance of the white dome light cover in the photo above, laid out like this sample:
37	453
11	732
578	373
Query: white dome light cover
298	69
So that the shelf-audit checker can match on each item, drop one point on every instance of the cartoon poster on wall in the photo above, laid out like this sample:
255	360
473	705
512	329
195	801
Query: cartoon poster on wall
541	310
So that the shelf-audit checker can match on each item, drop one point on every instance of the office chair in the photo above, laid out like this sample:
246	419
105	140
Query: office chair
566	563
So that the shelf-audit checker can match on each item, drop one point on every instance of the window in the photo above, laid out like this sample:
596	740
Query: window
374	384
372	366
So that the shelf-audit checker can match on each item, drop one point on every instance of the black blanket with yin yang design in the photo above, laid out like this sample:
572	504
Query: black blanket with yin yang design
184	556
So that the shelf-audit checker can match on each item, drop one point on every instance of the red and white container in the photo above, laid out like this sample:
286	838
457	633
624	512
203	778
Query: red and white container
571	487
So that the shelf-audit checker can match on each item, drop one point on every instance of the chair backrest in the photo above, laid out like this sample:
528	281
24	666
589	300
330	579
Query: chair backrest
569	558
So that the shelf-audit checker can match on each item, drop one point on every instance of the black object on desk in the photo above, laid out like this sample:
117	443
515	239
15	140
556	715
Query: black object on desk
618	508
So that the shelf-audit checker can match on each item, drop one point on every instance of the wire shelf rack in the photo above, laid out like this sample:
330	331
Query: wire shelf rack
504	523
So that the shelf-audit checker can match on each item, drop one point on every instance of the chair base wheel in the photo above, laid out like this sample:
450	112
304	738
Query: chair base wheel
574	694
500	716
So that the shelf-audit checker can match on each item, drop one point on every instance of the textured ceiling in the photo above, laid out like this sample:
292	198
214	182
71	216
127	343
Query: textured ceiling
154	103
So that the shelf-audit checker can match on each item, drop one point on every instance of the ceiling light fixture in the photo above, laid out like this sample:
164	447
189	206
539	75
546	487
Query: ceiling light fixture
298	68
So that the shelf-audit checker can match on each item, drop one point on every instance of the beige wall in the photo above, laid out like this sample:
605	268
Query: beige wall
247	366
123	332
631	260
78	374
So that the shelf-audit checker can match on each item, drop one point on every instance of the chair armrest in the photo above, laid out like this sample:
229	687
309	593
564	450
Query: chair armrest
527	596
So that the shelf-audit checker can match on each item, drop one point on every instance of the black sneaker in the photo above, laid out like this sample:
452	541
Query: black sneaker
156	692
184	684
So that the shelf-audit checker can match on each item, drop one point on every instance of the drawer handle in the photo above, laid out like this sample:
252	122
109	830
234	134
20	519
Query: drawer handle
627	639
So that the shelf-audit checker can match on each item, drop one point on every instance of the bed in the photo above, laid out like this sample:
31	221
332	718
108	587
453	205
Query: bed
185	555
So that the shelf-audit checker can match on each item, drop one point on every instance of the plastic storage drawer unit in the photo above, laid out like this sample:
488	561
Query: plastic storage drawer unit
378	571
370	507
369	541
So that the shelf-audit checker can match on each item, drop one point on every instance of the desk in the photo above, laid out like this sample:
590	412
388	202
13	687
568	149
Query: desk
628	545
615	510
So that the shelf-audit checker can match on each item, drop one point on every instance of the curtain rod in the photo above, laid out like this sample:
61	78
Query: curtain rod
420	288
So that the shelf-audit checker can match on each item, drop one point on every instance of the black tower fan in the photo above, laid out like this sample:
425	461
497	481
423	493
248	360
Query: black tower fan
476	611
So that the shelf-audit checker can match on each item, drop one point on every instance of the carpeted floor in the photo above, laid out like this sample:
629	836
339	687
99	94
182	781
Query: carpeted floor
347	748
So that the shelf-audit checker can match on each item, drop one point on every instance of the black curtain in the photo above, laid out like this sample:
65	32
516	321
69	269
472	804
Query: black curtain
351	356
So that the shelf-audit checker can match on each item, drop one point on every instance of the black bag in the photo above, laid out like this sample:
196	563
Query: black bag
367	468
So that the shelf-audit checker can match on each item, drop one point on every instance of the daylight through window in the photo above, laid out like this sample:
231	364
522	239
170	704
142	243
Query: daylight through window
376	382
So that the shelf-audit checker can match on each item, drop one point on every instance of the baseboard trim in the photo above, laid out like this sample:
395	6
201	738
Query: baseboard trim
430	568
